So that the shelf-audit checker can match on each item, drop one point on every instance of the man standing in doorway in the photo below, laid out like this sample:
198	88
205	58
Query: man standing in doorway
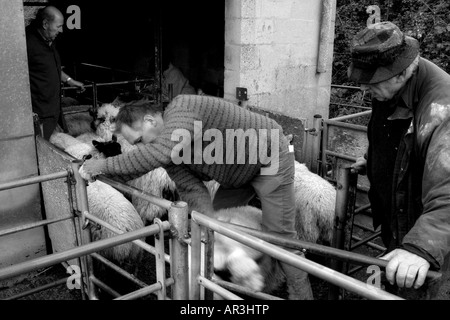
44	65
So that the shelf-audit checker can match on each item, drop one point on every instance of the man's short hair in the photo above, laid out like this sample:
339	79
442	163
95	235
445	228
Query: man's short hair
132	112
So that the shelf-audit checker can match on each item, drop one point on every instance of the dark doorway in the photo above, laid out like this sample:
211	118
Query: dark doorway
124	37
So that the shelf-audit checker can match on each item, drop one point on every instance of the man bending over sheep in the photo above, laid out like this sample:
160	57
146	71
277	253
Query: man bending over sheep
191	140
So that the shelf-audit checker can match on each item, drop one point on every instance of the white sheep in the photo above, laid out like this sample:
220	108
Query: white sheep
238	259
315	200
105	118
105	202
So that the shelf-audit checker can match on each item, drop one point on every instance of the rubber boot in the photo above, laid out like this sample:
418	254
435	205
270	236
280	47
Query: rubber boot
299	287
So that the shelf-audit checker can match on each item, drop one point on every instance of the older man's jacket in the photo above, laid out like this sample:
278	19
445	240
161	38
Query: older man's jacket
409	144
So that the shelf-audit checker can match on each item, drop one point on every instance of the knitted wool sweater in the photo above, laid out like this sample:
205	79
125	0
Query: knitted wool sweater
192	116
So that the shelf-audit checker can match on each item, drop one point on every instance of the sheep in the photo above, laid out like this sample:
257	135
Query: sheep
78	123
239	260
108	149
156	182
315	200
105	202
104	120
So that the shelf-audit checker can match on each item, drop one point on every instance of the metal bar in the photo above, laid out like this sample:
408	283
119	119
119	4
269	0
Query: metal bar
39	179
163	203
365	240
322	250
77	231
345	87
340	222
243	290
138	242
32	226
362	208
317	270
196	255
119	270
39	289
315	148
160	263
363	227
208	284
356	269
105	84
339	155
94	97
345	125
114	70
87	265
179	219
324	148
145	291
370	244
208	255
349	116
86	249
105	287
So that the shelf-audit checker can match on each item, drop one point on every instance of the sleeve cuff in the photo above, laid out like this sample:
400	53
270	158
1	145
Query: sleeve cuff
434	265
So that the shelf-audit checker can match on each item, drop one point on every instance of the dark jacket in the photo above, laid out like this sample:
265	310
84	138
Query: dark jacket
417	209
44	65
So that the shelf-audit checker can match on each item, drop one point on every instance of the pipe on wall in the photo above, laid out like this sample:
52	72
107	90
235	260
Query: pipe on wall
325	36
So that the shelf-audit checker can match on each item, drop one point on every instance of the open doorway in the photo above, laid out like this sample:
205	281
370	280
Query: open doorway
132	36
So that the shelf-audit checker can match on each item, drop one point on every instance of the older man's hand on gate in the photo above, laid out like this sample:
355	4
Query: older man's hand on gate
359	166
406	269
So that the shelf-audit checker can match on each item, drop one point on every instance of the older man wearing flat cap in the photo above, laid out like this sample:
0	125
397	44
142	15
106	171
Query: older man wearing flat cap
408	158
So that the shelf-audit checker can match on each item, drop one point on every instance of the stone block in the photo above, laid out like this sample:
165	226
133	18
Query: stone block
249	57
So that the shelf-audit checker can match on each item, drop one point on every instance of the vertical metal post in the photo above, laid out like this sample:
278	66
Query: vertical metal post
179	268
342	190
209	261
315	148
82	205
196	252
160	262
323	172
94	97
325	36
77	231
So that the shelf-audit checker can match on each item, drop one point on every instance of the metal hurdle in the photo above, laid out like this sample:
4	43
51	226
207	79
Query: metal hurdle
80	252
202	228
200	221
178	222
85	250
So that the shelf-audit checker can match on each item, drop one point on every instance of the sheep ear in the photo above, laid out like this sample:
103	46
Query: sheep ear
95	143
